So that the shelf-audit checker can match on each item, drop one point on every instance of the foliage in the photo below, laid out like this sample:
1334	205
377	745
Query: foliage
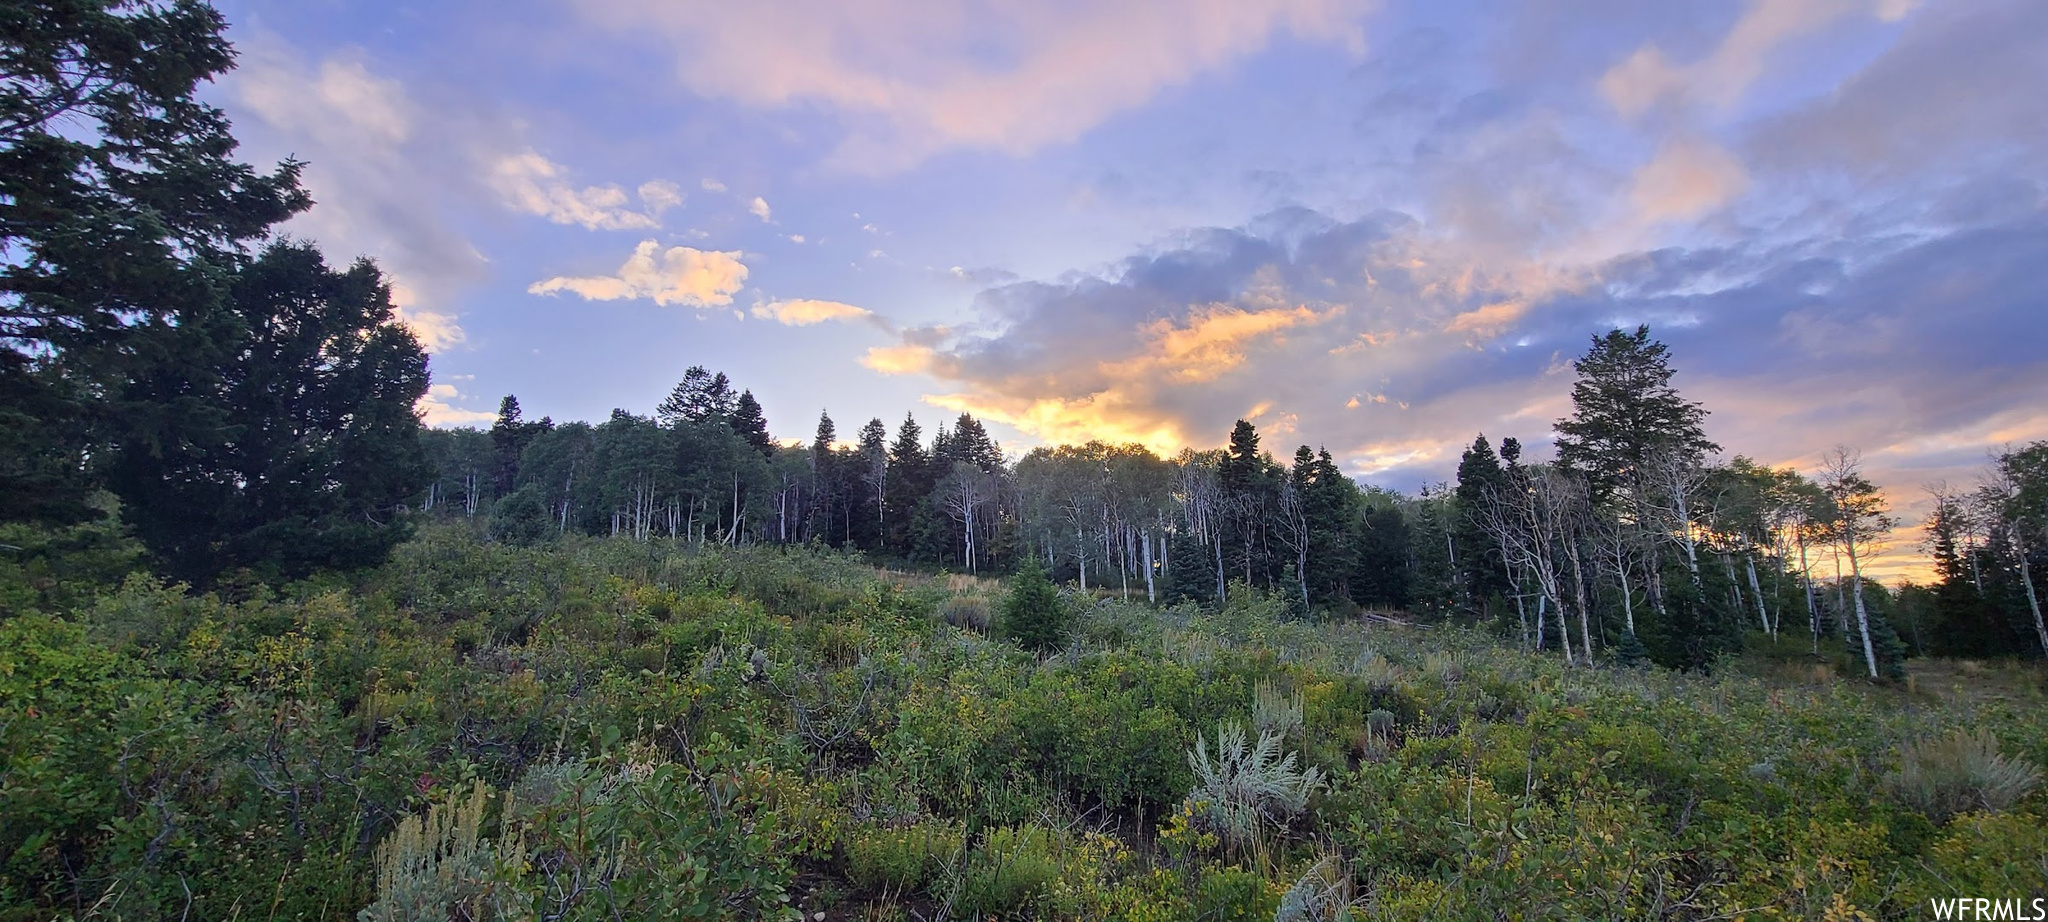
1034	615
902	859
1960	772
439	866
122	211
1248	788
709	732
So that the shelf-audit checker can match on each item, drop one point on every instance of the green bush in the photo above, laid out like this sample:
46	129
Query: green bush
1014	868
1228	894
1033	614
902	859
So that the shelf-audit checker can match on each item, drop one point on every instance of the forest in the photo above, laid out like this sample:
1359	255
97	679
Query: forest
271	648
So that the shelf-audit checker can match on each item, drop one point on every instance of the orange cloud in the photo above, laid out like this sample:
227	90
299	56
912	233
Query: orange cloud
1212	341
1488	319
1685	180
906	359
1109	416
681	275
804	312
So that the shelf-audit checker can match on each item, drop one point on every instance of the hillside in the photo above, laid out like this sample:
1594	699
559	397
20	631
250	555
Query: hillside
611	729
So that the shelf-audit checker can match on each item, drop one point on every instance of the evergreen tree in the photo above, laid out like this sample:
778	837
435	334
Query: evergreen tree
1481	571
1249	491
827	502
700	397
1625	411
510	435
122	217
871	480
1033	614
1380	576
308	445
751	425
910	481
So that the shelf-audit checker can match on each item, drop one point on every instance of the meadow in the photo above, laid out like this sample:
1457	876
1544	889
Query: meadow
608	729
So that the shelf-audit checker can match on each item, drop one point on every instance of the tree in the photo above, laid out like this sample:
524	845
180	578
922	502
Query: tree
873	452
826	502
309	444
1033	614
122	216
910	481
2016	493
1859	519
1480	565
700	397
1249	491
1624	411
751	426
510	434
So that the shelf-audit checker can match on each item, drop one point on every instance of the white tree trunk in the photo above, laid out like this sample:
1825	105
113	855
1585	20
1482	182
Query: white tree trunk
1151	594
1862	613
2019	548
1756	589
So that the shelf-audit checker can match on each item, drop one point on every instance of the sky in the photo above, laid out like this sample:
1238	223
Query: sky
1379	226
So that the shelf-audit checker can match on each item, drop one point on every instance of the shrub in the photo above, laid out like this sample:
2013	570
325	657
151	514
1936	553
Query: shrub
440	867
1274	712
1323	893
1014	868
901	859
1246	787
1960	772
519	518
1033	614
1233	895
967	612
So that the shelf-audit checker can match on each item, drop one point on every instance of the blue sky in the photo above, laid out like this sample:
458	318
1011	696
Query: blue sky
1376	226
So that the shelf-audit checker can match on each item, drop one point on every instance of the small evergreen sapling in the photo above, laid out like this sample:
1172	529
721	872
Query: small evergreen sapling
1033	614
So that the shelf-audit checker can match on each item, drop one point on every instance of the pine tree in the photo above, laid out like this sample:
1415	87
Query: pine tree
1033	614
872	480
1482	571
910	481
827	501
700	397
123	218
751	426
510	435
308	447
1625	411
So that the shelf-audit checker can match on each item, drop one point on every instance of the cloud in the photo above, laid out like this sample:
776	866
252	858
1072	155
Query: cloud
1685	180
759	208
1212	341
680	275
659	195
904	359
803	313
377	166
712	185
436	408
1721	78
1942	97
437	332
913	79
985	276
536	185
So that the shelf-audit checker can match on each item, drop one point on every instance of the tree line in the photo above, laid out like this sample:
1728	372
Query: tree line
1634	544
